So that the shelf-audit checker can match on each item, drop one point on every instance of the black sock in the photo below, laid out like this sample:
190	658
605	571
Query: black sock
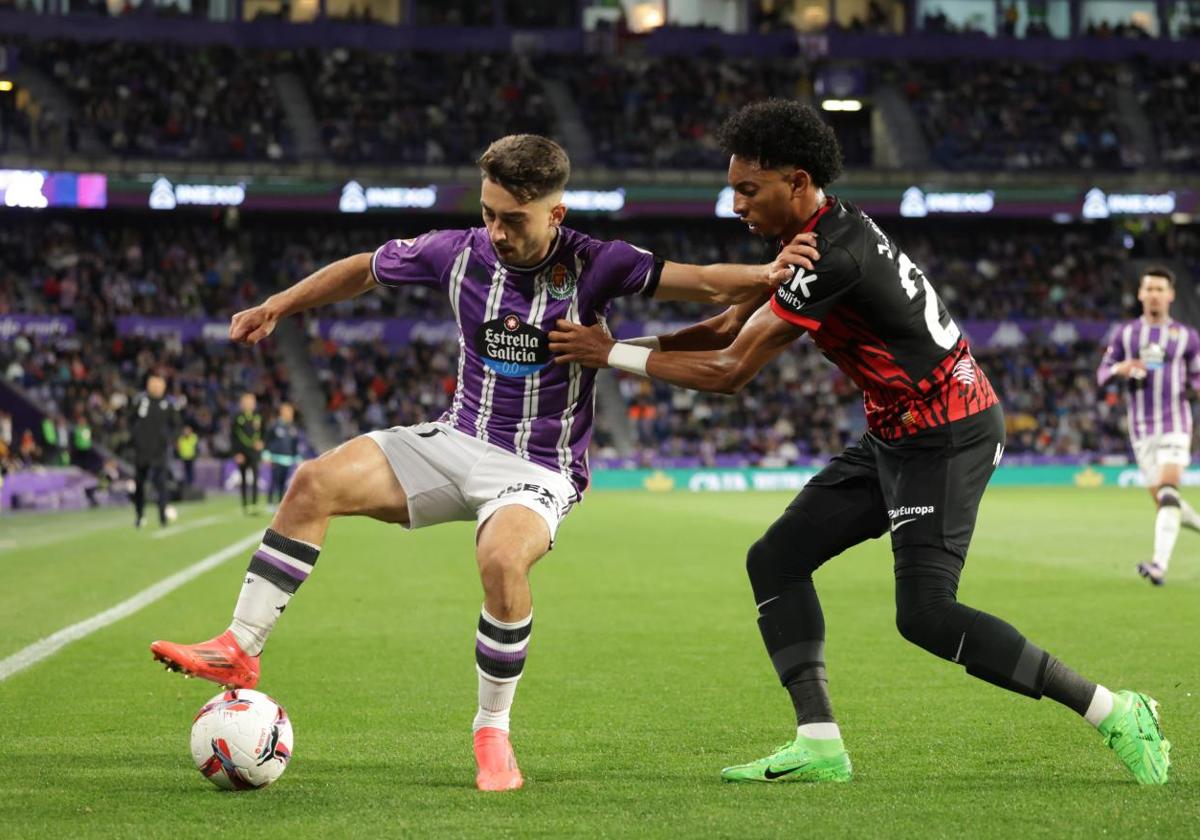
1068	687
793	629
810	698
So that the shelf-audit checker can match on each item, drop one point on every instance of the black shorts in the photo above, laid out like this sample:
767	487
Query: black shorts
924	489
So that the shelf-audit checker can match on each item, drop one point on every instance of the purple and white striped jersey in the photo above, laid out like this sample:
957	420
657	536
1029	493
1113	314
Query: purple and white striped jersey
510	393
1158	402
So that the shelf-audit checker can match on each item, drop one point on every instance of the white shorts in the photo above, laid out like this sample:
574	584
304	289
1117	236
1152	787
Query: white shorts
1153	451
449	476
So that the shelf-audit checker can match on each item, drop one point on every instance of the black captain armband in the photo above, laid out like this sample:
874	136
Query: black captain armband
652	278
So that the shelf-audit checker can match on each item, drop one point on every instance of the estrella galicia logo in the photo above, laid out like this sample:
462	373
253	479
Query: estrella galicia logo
511	347
561	282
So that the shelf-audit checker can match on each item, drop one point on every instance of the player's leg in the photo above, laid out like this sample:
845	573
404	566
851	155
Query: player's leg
241	465
353	479
839	508
1189	516
519	506
1172	453
254	476
933	494
509	543
159	476
139	495
281	479
1167	522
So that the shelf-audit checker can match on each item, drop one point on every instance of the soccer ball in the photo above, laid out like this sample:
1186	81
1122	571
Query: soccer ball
241	740
170	512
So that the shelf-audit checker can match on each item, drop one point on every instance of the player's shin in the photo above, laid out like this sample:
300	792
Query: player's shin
1189	518
500	648
793	630
276	571
1166	526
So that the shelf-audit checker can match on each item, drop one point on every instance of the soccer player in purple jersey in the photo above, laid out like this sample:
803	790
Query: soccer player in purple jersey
511	451
1159	361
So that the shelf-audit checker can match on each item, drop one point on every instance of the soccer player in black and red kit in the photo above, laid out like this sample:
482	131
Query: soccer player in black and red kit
935	435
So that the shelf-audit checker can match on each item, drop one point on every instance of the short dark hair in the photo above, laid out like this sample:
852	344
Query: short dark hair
527	165
784	132
1159	271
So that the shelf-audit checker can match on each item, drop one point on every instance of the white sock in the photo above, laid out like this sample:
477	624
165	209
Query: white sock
499	661
1190	518
819	731
1166	531
1100	707
276	571
495	702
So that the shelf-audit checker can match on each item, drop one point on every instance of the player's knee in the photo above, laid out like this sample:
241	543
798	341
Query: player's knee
761	564
500	567
309	487
922	614
1167	496
770	564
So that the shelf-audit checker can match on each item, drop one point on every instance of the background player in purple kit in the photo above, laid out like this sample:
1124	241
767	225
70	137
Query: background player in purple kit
510	453
1159	360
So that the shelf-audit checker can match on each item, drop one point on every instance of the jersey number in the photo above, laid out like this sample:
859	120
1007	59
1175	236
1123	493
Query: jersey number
943	336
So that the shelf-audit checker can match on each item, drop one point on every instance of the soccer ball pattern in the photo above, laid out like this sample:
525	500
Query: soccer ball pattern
241	740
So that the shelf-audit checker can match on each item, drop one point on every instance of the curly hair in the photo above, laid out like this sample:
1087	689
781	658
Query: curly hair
527	165
784	132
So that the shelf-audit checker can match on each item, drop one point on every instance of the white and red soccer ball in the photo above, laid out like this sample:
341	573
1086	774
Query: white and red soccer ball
241	740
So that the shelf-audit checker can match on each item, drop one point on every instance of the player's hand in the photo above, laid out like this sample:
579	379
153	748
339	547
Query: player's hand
801	251
252	325
1131	369
239	459
575	343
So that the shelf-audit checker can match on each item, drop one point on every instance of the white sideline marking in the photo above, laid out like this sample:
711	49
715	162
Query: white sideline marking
50	645
172	530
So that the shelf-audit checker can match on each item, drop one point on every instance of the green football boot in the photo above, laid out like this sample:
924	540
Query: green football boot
1133	732
803	760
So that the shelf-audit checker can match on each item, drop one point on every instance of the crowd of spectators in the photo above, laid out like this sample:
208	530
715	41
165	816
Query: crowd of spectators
1029	272
144	100
419	108
1020	116
88	380
1171	99
663	112
96	269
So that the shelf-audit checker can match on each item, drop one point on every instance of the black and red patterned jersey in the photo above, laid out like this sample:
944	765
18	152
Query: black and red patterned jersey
872	312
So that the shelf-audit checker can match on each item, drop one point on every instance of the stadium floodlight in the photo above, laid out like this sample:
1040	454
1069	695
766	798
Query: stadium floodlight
646	16
841	105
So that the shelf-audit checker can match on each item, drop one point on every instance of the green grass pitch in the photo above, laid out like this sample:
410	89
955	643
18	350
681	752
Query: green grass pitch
646	676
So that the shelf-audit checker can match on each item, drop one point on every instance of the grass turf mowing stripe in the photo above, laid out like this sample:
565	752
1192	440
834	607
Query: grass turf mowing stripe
189	526
43	648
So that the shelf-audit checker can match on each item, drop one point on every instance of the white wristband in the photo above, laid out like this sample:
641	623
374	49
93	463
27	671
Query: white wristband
629	358
650	341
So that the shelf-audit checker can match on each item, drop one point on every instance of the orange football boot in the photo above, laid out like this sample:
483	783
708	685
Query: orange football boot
497	765
220	660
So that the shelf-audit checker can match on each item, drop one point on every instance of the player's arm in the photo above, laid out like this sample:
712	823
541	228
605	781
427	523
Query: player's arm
726	283
1114	363
724	371
342	280
715	333
719	331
